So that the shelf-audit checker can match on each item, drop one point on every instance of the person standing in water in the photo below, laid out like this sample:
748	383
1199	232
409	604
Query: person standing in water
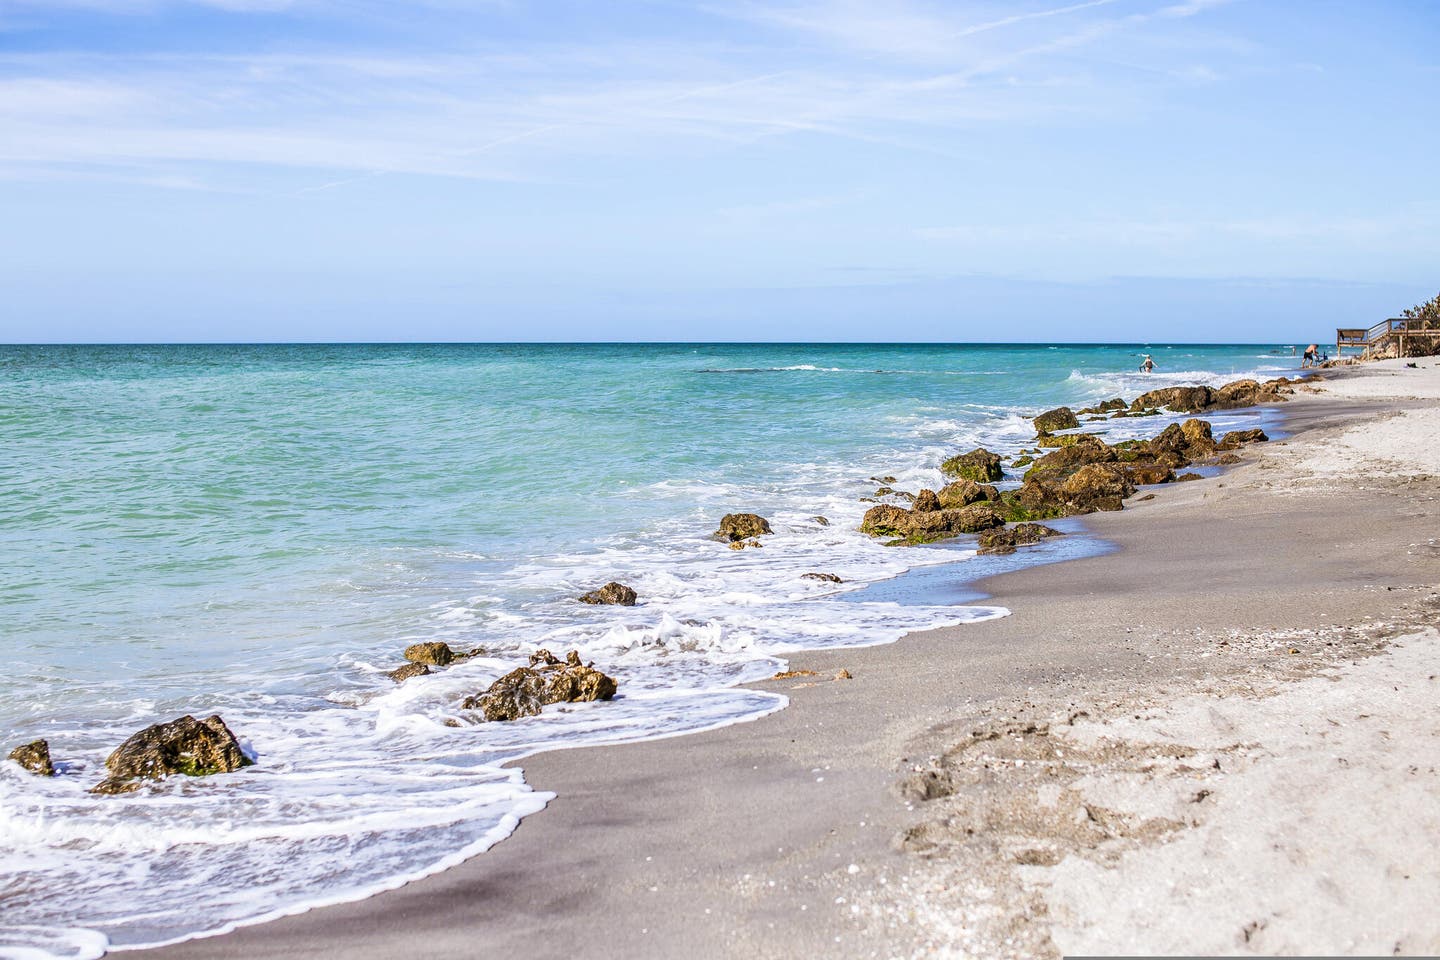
1147	365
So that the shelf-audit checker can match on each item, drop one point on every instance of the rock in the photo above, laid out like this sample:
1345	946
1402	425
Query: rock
827	577
1178	399
821	520
1061	418
1188	476
1143	474
1059	464
979	465
1095	487
883	492
1227	459
612	593
1198	439
742	544
962	493
1240	393
883	480
1006	539
1024	461
525	691
916	526
926	501
409	670
35	757
1180	443
741	526
1237	438
886	521
434	654
194	748
1049	441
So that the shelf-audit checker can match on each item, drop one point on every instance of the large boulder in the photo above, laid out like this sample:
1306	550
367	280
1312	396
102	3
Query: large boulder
1007	539
1061	418
962	493
741	526
1180	443
525	691
1178	399
434	654
193	748
979	465
1142	473
612	593
1199	441
35	757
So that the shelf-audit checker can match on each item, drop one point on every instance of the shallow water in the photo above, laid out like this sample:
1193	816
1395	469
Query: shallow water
259	530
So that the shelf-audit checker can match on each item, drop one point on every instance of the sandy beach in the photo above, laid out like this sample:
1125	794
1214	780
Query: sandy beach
1218	738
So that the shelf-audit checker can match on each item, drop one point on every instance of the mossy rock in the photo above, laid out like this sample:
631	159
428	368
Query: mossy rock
979	465
1061	418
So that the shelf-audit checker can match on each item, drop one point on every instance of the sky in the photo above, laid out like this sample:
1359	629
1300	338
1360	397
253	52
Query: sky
812	170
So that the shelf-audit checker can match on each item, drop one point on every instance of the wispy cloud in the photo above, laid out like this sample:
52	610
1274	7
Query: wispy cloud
538	110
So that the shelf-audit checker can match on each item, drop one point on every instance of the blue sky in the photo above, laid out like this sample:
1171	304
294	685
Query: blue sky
735	169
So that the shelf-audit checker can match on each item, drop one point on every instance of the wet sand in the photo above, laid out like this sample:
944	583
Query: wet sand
827	829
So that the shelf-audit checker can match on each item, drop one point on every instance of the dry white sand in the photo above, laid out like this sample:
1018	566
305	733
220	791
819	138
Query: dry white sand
1255	814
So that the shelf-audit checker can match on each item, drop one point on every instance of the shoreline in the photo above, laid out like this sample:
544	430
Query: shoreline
681	861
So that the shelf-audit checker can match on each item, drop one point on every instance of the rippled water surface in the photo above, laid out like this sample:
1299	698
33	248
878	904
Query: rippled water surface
259	530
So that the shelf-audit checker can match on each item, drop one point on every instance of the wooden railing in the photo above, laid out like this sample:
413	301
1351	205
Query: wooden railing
1392	332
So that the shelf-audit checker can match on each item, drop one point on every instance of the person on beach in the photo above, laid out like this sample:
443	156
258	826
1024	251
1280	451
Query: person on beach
1311	357
1147	365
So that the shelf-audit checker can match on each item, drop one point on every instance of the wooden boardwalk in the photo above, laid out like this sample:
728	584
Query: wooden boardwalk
1388	336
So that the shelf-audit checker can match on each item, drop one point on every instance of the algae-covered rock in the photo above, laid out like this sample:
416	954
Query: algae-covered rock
435	654
193	748
1049	441
612	593
979	465
401	674
1186	477
1007	539
962	493
525	691
741	526
35	757
886	521
1061	418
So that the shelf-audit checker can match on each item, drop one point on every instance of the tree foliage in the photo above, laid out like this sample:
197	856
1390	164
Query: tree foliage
1427	313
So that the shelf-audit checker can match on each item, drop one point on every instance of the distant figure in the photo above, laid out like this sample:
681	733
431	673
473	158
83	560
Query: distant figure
1312	356
1147	365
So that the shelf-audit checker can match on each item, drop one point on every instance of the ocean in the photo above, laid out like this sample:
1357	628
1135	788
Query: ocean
258	531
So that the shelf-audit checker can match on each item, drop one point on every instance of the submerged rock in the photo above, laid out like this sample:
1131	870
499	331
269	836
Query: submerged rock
404	673
979	465
612	593
193	748
827	577
741	526
35	757
525	691
434	654
1006	539
1061	418
821	520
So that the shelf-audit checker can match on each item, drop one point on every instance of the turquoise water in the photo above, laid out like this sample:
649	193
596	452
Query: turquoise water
259	531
